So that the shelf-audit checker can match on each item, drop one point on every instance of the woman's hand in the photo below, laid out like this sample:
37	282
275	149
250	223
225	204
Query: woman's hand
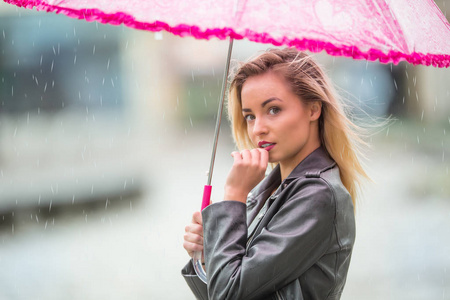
193	235
248	170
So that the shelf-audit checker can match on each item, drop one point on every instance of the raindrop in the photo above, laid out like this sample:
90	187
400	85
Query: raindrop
54	50
50	208
40	62
107	66
4	35
158	35
75	59
395	83
93	50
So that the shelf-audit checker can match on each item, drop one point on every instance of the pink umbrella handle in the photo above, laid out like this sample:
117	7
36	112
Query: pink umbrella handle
206	196
197	258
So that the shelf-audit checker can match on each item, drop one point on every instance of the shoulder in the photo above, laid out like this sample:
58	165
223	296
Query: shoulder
319	189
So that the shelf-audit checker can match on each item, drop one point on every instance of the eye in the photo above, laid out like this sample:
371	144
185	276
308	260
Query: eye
249	117
274	110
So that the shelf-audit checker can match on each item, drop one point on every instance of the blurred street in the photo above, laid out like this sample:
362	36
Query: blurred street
132	249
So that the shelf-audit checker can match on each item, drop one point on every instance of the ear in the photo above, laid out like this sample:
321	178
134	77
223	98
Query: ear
315	110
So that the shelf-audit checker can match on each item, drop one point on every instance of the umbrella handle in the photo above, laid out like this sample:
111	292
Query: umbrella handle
197	257
206	196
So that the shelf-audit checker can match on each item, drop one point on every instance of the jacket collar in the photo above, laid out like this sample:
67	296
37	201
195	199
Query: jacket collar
314	163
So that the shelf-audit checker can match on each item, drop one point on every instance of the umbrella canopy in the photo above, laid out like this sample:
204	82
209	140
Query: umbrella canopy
388	30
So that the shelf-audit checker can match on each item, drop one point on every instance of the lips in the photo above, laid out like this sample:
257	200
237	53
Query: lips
266	145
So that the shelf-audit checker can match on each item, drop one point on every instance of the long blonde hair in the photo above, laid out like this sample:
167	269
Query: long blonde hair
338	134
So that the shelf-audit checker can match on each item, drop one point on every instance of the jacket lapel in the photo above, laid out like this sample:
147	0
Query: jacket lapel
315	163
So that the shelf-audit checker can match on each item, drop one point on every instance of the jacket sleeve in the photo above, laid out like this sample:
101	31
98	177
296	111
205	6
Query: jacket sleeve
197	286
298	234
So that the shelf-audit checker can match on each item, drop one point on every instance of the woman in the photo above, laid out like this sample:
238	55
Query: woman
289	235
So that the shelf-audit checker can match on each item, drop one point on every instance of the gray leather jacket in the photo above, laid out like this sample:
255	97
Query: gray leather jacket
299	249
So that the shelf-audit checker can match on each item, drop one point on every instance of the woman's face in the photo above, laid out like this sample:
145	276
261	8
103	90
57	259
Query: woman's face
278	120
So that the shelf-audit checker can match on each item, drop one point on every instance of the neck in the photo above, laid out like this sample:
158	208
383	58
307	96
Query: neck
286	168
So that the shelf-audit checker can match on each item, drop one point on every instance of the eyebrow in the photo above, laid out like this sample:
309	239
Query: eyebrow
263	104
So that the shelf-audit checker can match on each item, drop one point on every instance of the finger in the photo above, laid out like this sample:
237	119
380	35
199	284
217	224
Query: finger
237	156
256	157
194	228
197	218
192	247
264	160
193	238
246	155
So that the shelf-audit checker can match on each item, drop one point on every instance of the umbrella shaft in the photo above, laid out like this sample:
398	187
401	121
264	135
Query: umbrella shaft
219	112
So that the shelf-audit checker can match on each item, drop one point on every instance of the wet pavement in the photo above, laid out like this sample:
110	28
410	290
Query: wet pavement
132	248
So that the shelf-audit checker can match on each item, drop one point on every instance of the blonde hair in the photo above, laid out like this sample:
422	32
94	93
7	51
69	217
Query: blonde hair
338	134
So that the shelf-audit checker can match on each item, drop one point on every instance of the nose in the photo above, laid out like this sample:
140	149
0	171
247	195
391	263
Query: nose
259	127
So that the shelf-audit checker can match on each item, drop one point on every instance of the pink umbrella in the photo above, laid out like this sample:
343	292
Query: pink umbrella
387	30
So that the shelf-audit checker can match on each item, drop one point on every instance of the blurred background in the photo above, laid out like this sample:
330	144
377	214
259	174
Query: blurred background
105	139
